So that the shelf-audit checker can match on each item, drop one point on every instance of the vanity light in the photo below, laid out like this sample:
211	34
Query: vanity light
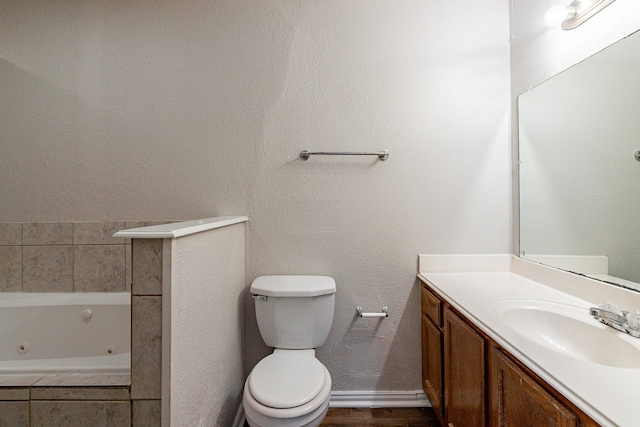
575	14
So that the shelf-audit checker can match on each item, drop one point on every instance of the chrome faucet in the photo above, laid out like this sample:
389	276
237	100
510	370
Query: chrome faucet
623	321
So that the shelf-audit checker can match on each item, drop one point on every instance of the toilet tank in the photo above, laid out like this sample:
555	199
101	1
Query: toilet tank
294	312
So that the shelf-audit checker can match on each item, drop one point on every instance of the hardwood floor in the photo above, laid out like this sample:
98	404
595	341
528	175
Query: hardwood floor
380	417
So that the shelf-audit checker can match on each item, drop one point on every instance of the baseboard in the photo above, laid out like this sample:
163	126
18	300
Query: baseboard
379	399
365	399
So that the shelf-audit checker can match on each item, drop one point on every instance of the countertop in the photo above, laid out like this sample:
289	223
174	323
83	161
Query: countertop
474	284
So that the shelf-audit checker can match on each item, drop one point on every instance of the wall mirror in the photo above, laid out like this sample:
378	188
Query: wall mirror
579	149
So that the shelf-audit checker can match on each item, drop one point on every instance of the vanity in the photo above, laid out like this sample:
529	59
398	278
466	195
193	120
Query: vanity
510	342
513	341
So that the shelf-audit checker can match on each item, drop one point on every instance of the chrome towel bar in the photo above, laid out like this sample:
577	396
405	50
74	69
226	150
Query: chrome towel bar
305	154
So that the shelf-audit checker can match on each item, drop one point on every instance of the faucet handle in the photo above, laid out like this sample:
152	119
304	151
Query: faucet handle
633	320
609	306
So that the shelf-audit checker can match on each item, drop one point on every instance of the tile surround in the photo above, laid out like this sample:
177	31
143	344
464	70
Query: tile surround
71	413
10	269
76	257
14	414
146	413
97	233
99	268
10	233
146	355
47	233
14	393
84	257
47	269
80	393
146	260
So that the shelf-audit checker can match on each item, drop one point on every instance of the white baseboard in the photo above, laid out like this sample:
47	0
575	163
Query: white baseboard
379	399
365	399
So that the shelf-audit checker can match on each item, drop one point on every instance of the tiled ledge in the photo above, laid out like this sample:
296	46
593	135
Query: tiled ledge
65	380
45	400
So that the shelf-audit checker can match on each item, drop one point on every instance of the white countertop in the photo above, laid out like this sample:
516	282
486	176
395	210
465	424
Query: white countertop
472	284
174	230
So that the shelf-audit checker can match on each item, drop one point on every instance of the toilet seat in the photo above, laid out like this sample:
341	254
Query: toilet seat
300	415
317	403
287	379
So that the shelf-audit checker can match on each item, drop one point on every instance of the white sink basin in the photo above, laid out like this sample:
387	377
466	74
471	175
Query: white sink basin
568	330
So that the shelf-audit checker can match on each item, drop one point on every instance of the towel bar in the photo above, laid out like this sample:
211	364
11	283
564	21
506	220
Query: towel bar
305	154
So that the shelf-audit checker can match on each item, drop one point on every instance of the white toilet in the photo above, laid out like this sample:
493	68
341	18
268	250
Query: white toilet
290	387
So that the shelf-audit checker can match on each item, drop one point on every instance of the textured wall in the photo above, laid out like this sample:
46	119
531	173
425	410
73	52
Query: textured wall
186	109
207	311
539	52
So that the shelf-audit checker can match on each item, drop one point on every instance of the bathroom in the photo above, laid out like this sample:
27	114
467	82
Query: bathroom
181	110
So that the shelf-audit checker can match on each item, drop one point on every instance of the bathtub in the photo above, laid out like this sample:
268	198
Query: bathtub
49	333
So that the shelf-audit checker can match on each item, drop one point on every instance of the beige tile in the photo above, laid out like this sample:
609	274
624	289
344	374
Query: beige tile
80	393
10	268
146	351
127	267
80	414
146	267
47	268
97	233
14	414
99	268
10	233
146	413
19	380
47	233
14	393
83	380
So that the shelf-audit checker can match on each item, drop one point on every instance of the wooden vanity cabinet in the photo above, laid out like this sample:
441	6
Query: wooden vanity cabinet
464	373
432	350
517	400
471	381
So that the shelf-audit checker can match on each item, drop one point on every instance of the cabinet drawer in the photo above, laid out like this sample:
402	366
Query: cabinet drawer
432	307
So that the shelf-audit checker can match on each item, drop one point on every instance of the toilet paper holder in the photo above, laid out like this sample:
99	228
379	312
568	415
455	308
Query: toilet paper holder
384	313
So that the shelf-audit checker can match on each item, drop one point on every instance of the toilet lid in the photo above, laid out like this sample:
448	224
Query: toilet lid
286	380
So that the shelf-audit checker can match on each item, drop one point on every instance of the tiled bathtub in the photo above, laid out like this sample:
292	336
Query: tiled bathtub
81	257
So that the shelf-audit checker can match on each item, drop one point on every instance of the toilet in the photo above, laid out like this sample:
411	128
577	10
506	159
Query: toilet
290	387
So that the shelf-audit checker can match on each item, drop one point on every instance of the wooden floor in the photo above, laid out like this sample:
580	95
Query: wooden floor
380	417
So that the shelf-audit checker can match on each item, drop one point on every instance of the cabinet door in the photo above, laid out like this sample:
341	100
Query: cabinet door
464	373
432	371
516	400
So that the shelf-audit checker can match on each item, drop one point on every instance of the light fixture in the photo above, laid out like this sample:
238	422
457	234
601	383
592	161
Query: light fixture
575	14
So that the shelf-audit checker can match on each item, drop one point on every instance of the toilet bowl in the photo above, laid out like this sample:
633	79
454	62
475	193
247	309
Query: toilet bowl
287	389
290	387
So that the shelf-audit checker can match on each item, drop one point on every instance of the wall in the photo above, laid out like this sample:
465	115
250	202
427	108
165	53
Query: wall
204	307
176	109
539	52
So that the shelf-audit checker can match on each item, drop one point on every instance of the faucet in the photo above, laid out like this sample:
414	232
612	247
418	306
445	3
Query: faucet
623	321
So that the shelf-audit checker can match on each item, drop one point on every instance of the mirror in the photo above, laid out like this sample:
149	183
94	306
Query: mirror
579	174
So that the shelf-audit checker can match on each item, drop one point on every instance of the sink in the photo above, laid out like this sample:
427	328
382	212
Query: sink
568	330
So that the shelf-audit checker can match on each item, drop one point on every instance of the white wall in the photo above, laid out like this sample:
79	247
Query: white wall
539	52
187	109
205	301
